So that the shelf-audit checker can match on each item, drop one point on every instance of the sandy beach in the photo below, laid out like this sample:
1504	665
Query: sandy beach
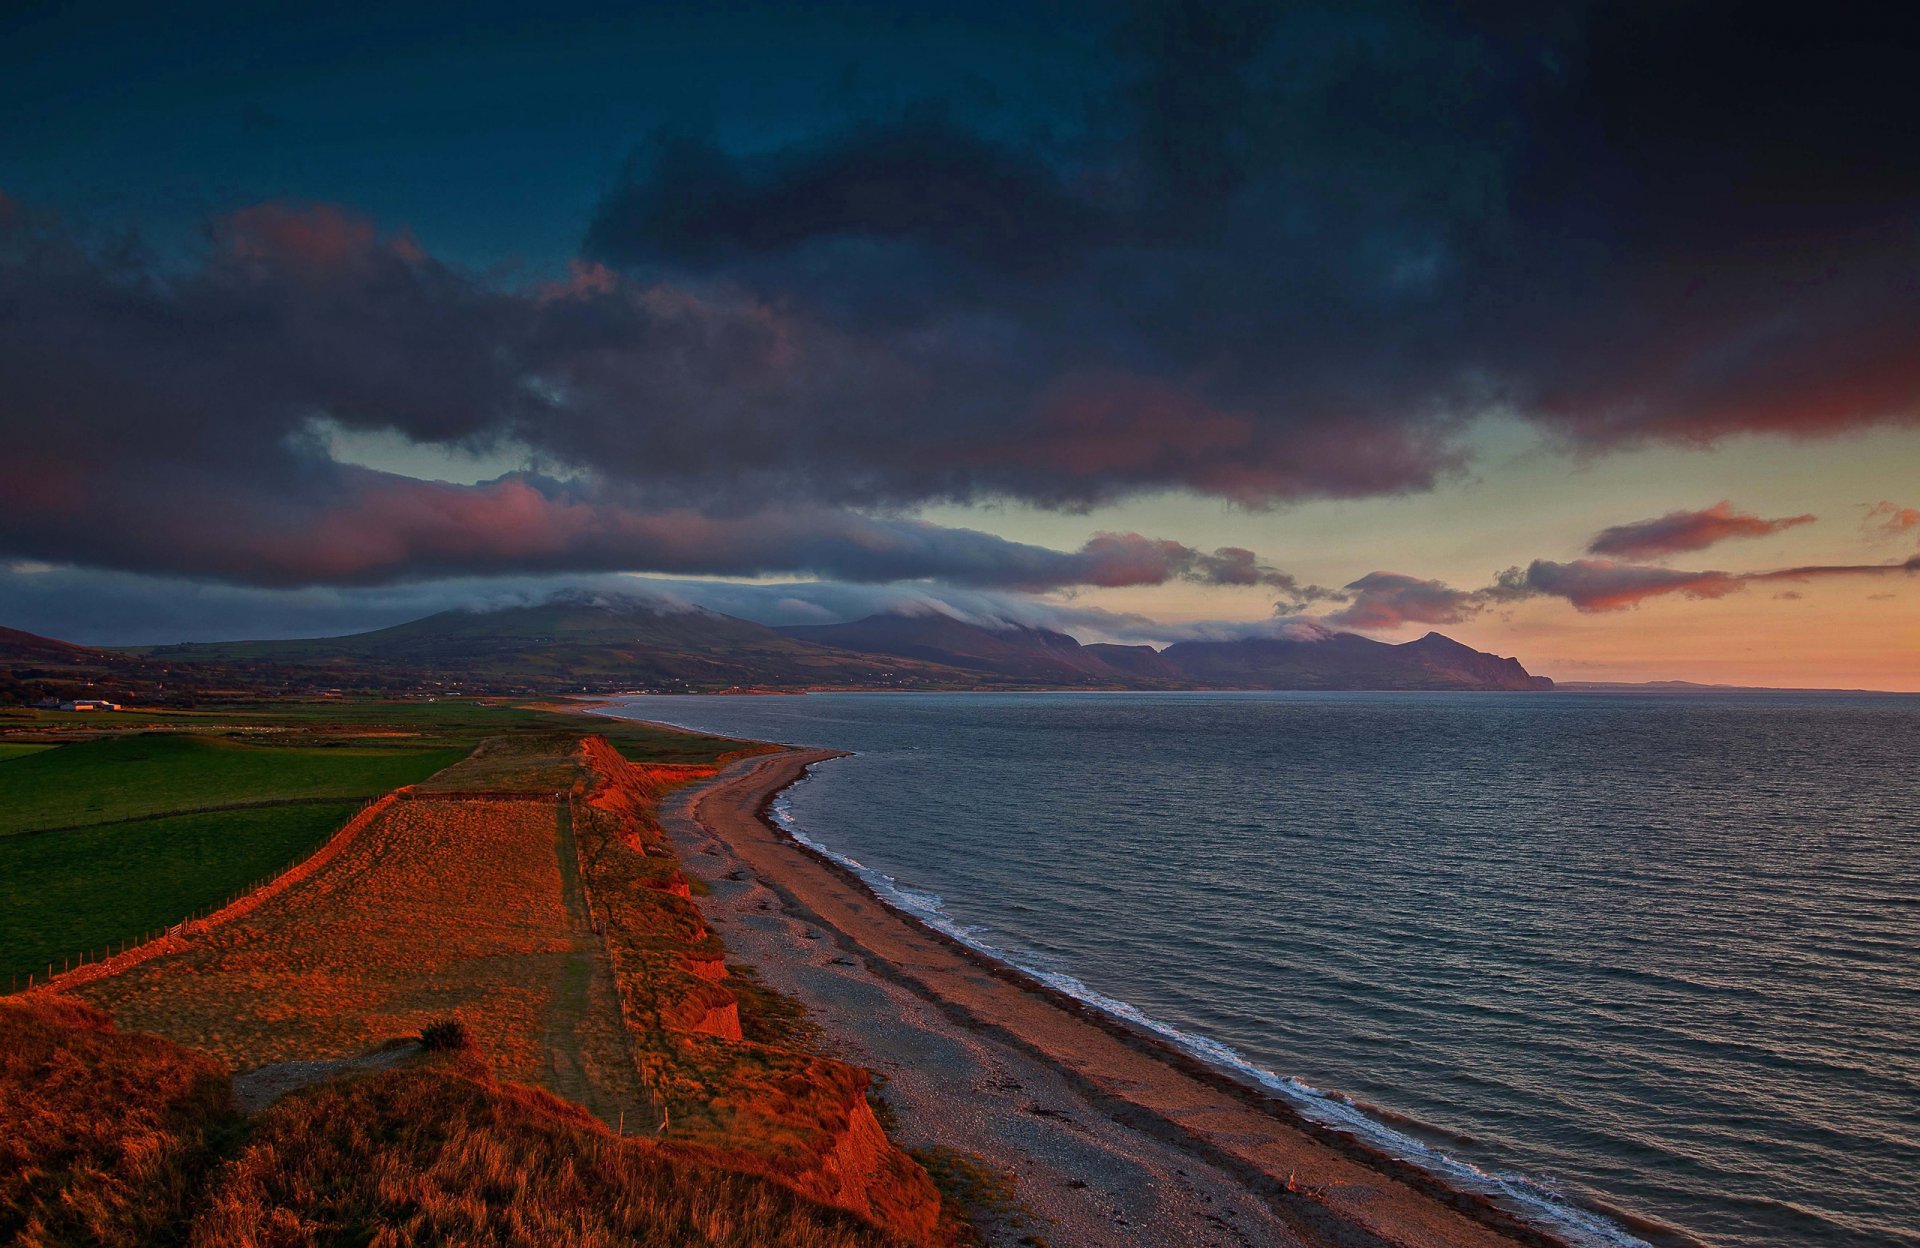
1113	1137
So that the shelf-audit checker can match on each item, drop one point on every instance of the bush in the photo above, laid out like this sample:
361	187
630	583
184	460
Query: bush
449	1035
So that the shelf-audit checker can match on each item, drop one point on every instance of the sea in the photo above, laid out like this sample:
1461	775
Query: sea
1645	968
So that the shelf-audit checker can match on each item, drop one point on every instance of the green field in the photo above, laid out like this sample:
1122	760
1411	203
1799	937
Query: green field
65	892
108	835
115	778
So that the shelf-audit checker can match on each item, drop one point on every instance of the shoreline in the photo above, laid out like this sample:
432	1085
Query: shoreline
1324	1185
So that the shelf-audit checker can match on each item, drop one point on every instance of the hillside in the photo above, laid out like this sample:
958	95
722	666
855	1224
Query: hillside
35	668
1348	661
1015	653
526	905
578	642
573	641
25	648
122	1139
1012	651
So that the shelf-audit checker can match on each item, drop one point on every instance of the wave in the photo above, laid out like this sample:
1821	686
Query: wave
1533	1199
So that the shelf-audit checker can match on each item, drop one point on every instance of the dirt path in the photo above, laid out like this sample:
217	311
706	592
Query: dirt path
572	980
256	1089
1117	1140
583	1004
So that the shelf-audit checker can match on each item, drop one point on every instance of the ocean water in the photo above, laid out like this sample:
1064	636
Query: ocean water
1647	967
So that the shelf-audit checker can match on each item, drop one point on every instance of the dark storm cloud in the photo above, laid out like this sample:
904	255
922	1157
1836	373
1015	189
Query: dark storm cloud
1336	228
1284	252
170	421
927	181
1680	531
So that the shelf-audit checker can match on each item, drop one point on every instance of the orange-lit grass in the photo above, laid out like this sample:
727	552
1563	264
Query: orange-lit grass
443	1154
538	762
663	777
116	1140
104	1137
437	908
458	907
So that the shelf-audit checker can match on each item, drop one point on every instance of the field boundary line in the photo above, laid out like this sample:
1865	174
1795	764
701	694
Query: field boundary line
416	794
265	803
180	934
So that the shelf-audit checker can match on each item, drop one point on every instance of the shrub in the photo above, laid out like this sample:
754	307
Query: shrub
448	1035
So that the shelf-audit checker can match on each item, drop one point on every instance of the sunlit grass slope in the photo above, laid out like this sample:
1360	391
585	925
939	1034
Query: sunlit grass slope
105	833
446	1155
105	1139
121	1140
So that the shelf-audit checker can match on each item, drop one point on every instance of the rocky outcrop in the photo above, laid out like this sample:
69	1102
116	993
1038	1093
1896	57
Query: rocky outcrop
713	969
1347	661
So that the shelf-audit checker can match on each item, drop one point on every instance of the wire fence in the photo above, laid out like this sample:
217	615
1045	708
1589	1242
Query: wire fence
567	807
147	936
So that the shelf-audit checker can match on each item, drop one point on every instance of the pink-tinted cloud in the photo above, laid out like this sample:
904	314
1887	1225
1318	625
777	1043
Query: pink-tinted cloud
1133	430
1681	531
585	279
1604	585
1387	600
1593	585
1824	571
163	419
1892	520
188	449
354	525
314	239
1114	560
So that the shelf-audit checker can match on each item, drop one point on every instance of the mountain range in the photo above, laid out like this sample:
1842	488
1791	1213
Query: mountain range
598	642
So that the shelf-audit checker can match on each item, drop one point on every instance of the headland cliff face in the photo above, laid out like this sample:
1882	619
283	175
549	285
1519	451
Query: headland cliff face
726	1097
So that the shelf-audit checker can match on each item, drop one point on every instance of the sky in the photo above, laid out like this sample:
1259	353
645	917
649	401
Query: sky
1588	334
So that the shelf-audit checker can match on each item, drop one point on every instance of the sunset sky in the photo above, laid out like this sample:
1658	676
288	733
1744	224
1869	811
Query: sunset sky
1586	334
